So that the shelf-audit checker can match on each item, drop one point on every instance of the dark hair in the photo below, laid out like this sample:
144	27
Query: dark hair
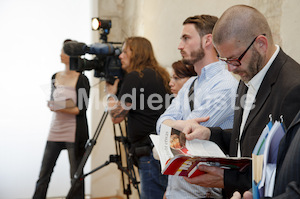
67	40
204	24
182	70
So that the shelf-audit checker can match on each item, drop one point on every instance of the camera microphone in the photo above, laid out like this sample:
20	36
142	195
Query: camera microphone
74	48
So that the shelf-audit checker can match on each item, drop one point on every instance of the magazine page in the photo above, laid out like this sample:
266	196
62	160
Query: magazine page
169	143
204	148
181	157
162	144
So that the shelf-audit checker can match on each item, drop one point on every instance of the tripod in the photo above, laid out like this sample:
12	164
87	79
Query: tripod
128	169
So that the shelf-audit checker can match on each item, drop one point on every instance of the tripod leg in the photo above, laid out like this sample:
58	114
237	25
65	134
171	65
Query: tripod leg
118	140
89	147
129	167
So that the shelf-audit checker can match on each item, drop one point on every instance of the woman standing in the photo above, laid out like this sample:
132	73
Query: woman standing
142	99
69	129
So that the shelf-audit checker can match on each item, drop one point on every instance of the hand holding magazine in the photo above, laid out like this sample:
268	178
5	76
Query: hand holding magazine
182	157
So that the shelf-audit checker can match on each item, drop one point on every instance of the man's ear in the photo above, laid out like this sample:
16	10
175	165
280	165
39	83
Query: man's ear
262	43
207	40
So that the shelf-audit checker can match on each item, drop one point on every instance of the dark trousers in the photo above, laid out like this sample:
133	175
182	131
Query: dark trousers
51	154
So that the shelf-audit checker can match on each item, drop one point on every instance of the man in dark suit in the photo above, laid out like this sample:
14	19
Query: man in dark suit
287	183
270	84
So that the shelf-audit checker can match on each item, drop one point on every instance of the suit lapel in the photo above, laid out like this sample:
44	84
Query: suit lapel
265	88
242	90
295	121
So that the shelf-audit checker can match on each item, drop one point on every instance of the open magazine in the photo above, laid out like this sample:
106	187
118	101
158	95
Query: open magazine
182	157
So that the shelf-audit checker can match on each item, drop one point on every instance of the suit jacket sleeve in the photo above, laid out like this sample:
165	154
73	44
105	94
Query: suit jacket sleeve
221	137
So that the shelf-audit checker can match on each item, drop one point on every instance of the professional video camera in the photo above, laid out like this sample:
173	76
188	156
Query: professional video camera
106	63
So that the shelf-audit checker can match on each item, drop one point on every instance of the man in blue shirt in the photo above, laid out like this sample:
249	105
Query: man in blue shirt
213	95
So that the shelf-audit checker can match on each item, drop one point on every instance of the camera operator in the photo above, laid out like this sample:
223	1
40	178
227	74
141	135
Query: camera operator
142	99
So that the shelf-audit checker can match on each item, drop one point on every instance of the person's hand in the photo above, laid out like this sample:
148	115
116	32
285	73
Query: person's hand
236	195
112	89
213	177
193	130
51	107
246	195
186	124
165	197
155	153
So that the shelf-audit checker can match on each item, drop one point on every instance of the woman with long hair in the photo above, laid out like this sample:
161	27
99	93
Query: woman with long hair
142	99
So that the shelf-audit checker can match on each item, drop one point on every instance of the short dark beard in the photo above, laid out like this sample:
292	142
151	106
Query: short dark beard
196	56
255	64
257	58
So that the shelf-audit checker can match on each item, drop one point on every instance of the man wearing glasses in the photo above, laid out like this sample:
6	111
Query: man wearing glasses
270	84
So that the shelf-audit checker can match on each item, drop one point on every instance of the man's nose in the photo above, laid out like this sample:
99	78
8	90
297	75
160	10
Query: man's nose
180	46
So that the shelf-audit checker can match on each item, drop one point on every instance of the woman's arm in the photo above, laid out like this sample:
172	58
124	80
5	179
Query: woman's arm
73	111
117	110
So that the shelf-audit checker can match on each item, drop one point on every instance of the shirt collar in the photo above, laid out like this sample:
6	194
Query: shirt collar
255	82
211	70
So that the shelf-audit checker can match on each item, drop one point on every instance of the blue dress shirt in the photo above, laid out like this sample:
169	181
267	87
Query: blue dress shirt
214	91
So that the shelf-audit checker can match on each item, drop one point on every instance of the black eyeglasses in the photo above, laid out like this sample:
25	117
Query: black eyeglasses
237	61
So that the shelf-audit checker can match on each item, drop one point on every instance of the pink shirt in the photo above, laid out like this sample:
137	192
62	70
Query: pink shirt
63	125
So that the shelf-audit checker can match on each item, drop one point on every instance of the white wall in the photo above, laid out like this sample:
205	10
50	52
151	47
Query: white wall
32	33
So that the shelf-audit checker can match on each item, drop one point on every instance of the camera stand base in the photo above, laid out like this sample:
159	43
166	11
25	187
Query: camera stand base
128	169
